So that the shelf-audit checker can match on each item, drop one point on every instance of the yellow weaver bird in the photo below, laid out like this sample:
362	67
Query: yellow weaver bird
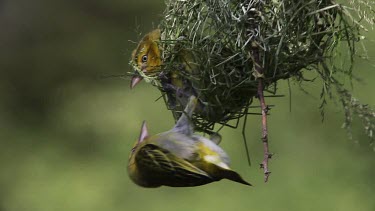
147	62
178	157
146	57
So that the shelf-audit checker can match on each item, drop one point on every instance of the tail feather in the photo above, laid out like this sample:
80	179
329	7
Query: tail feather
217	172
234	176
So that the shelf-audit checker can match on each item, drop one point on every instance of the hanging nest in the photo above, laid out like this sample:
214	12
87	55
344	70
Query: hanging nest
212	48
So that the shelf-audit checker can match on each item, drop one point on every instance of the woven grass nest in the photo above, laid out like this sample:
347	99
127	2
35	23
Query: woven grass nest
214	46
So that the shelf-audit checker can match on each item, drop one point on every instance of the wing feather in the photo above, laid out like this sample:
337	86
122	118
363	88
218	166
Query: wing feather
163	167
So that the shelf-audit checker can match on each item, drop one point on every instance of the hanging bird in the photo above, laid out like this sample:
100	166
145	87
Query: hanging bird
147	61
178	157
173	80
146	58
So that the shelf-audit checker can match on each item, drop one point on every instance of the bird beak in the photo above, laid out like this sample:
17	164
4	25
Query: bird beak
144	132
135	80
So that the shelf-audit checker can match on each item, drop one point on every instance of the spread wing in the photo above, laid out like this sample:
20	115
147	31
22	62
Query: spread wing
160	166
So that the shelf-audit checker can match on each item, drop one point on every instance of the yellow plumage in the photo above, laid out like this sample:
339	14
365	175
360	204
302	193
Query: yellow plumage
147	61
146	57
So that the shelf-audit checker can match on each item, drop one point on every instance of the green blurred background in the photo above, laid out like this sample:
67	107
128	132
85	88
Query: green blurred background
66	132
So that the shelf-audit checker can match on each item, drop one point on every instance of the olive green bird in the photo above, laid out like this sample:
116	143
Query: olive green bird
178	157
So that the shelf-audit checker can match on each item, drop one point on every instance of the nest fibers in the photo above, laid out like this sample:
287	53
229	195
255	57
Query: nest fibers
219	38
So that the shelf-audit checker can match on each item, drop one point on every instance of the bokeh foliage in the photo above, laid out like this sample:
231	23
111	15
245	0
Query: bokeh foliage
66	132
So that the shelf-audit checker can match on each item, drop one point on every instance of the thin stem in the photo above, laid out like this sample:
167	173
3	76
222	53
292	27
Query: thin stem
244	137
260	77
265	109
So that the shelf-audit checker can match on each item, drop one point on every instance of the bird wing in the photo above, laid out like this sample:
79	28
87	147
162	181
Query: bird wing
168	169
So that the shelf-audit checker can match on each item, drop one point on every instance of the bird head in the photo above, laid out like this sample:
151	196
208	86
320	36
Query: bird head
146	58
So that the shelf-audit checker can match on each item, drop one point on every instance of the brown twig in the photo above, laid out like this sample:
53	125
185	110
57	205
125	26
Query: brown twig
265	108
259	74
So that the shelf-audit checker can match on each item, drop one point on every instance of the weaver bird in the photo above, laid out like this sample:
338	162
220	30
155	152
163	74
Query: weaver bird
147	62
146	58
178	157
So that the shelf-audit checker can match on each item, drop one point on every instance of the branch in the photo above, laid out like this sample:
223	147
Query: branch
259	74
267	155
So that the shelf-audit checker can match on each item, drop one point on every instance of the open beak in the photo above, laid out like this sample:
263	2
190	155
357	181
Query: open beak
135	80
144	132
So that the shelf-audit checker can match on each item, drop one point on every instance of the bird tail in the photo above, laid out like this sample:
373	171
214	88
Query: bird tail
234	176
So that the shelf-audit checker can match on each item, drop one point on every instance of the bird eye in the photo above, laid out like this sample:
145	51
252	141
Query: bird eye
144	58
